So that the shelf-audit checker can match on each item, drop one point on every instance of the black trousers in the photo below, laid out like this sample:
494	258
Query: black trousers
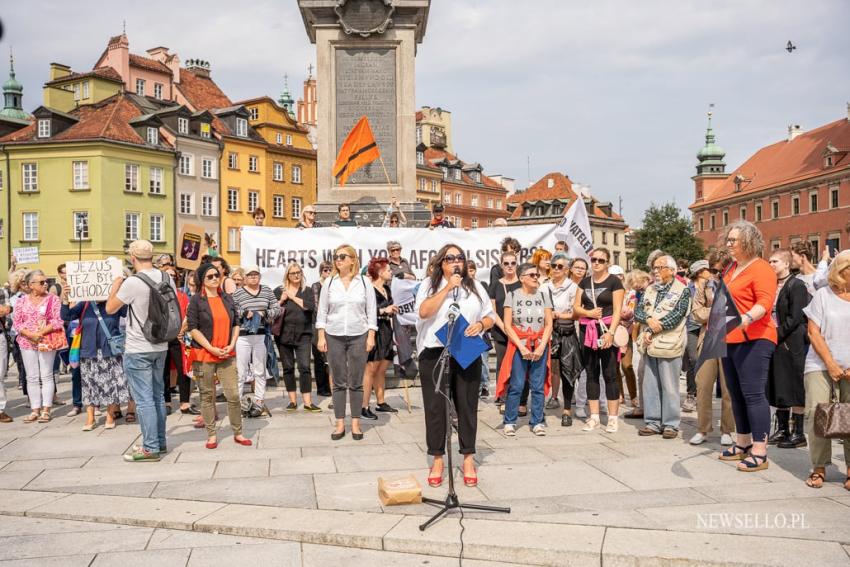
184	383
464	388
606	361
320	370
296	355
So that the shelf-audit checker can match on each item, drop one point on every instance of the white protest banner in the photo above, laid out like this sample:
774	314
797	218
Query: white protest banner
574	229
404	297
273	248
28	255
91	280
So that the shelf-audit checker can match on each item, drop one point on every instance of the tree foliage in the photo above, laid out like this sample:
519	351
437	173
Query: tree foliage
666	228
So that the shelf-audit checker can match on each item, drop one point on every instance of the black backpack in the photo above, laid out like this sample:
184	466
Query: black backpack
164	320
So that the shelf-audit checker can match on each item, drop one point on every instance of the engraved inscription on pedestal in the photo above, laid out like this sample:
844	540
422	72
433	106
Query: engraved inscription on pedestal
366	86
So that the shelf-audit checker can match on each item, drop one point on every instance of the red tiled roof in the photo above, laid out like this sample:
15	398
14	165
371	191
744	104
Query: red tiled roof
788	161
108	119
562	188
419	116
433	155
202	92
107	73
149	64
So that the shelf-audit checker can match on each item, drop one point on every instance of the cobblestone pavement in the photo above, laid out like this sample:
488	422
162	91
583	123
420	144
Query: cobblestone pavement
298	498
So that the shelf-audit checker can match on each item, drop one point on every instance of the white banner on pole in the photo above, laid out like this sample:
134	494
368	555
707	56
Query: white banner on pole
404	297
574	229
273	248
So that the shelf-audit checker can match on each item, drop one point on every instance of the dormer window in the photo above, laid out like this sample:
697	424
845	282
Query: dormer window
827	161
254	113
182	125
476	176
242	127
457	174
43	127
140	87
445	172
153	136
206	131
420	158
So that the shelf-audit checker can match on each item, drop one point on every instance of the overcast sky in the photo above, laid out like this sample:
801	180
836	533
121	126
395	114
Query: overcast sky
612	93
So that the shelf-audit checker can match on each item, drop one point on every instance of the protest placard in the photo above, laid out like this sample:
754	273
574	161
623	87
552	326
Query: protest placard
27	255
91	280
189	252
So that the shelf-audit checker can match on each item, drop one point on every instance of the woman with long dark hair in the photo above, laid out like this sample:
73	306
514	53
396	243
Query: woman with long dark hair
449	283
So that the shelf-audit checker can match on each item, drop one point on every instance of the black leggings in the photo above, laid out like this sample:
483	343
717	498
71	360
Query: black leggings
465	383
184	383
606	360
297	355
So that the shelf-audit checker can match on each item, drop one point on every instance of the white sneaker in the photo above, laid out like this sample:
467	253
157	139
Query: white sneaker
726	440
510	430
539	430
590	425
613	425
697	439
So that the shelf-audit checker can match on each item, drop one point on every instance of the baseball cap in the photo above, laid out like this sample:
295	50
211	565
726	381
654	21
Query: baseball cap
616	270
253	268
141	249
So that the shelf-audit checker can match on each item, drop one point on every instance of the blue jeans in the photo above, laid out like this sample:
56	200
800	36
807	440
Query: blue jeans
661	400
485	370
76	387
144	372
536	372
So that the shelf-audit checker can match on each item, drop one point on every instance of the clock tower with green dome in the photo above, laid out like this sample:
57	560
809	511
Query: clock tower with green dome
711	169
13	94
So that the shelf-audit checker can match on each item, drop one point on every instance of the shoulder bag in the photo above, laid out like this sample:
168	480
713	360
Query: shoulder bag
115	342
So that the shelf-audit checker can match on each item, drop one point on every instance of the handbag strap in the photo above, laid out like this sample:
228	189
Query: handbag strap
101	321
593	298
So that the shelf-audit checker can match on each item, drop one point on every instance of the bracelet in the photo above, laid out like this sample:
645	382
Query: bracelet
750	317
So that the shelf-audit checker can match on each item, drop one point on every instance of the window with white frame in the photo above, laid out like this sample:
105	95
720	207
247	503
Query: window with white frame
232	199
445	171
422	183
43	127
253	200
489	202
30	174
434	187
80	226
253	163
498	203
155	184
153	136
254	113
278	138
475	200
277	171
81	174
140	87
743	213
186	164
289	139
833	197
208	168
420	158
296	174
418	135
813	202
232	160
85	89
208	205
701	224
242	127
474	222
489	223
157	90
795	205
30	226
77	91
187	203
726	217
458	198
277	206
447	198
131	177
458	174
131	226
758	212
182	125
476	176
233	239
296	207
157	227
206	130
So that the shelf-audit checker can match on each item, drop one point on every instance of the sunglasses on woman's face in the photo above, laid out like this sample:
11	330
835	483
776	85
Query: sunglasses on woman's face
338	257
451	258
326	270
210	277
533	275
509	263
598	261
558	266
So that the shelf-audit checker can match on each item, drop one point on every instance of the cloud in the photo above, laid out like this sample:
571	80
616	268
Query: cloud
612	93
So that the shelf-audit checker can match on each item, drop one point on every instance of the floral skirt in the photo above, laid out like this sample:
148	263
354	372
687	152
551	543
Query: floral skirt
103	381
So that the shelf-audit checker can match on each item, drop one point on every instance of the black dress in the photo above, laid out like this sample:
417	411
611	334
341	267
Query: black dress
785	386
384	337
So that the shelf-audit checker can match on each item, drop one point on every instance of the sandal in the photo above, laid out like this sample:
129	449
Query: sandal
131	417
733	453
44	417
815	477
31	418
751	463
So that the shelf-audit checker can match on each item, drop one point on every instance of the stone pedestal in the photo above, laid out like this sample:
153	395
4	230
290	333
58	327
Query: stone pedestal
365	65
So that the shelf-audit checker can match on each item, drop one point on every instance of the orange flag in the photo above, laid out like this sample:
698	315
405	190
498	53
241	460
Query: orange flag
358	149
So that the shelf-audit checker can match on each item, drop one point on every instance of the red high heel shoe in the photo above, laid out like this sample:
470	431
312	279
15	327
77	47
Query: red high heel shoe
435	481
471	481
211	444
245	442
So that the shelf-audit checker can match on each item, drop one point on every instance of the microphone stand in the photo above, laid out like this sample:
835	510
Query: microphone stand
451	501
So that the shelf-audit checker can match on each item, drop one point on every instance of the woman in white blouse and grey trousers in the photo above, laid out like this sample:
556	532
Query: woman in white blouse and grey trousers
346	321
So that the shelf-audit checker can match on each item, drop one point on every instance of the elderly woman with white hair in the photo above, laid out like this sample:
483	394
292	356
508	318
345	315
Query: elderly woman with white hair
752	284
827	368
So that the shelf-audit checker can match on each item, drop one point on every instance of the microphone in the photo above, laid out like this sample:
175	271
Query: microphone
457	272
454	311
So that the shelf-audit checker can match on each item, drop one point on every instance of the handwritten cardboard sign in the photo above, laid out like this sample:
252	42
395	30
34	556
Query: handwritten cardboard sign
91	280
27	255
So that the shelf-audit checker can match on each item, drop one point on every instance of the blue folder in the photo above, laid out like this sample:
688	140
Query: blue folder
463	349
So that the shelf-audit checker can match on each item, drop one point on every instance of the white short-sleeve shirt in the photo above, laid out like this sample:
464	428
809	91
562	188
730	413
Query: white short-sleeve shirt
472	308
831	314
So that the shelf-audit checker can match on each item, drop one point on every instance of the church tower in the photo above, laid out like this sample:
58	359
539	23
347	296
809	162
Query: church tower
285	100
711	169
307	106
13	94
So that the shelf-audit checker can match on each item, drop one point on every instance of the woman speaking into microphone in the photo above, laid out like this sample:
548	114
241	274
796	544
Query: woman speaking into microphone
449	290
